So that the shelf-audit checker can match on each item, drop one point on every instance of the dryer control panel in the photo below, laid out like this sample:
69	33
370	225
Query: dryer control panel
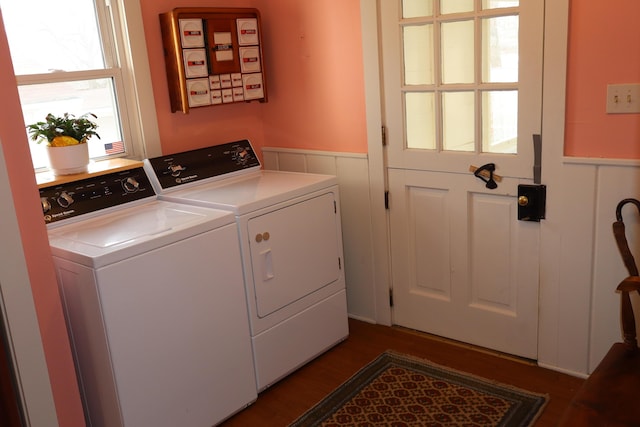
210	163
72	199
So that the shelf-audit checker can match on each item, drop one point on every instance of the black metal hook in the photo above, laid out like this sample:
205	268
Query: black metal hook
490	182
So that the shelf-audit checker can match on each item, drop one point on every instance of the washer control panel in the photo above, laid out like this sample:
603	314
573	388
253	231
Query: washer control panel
88	195
215	162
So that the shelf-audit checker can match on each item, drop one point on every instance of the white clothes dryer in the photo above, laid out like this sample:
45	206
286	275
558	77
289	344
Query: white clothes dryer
291	242
154	299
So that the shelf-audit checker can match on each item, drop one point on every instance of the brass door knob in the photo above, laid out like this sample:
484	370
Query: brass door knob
523	200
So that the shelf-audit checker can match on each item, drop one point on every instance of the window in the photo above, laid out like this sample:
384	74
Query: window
460	79
74	58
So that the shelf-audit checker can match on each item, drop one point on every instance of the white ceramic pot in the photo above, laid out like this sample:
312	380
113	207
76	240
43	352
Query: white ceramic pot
69	159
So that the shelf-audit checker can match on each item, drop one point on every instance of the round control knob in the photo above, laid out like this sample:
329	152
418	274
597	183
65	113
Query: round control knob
523	200
64	200
175	170
46	206
130	185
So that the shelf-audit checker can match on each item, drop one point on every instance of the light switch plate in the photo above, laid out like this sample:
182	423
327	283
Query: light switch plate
623	98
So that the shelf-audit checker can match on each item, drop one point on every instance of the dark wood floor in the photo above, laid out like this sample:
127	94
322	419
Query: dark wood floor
286	400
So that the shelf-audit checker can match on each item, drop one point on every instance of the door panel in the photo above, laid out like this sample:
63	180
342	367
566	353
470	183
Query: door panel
294	252
463	266
462	87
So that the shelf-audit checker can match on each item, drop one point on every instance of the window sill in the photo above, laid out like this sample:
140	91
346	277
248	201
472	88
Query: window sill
48	179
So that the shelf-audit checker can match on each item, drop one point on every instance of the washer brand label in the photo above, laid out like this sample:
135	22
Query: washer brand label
60	215
184	179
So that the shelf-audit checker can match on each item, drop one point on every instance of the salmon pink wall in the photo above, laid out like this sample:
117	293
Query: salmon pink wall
316	75
36	247
315	82
604	48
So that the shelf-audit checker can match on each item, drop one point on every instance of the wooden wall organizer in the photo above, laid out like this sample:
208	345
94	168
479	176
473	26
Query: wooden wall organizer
213	56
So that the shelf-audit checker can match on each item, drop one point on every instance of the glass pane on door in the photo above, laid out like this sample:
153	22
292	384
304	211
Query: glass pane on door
418	54
456	6
458	121
457	52
417	8
496	4
500	49
420	120
500	122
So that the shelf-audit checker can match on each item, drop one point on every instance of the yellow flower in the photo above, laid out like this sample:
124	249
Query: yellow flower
63	140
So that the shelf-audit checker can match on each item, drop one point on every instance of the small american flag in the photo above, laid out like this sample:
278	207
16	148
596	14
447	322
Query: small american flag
114	147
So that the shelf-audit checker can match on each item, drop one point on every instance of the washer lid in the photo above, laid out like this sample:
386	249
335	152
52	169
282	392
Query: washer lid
121	234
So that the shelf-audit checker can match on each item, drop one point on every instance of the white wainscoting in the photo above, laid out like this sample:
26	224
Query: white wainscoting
352	172
581	309
613	182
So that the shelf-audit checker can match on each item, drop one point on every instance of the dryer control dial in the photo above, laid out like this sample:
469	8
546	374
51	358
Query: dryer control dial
176	170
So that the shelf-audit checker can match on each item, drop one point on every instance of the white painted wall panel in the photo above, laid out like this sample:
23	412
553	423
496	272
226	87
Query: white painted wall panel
292	162
614	183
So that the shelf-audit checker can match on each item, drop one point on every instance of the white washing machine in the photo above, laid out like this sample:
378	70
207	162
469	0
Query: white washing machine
154	298
291	242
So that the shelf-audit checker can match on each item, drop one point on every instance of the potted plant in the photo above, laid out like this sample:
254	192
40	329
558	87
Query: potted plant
66	138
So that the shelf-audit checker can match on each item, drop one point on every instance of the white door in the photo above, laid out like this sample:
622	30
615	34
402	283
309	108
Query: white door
462	89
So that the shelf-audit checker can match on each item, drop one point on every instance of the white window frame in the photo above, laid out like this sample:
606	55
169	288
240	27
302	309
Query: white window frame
122	34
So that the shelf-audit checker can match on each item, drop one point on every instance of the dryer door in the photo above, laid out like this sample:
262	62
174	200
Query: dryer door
294	252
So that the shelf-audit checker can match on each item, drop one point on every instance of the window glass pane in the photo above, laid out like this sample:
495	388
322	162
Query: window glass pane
77	97
418	54
457	52
47	36
500	49
458	121
500	122
456	6
420	120
495	4
417	8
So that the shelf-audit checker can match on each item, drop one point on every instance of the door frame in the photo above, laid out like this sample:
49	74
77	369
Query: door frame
22	330
553	118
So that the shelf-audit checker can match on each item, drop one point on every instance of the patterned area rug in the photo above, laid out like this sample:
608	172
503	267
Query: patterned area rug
398	390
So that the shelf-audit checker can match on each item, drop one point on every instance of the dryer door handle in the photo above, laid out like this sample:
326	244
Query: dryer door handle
267	265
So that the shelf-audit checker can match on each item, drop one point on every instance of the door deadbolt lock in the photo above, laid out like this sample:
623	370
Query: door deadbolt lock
532	201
